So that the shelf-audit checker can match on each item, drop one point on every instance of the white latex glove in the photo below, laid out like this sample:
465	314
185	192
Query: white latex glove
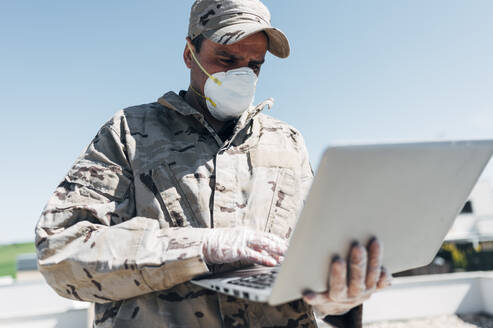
227	245
366	275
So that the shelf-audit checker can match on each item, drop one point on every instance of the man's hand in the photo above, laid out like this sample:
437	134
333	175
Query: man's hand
227	245
350	285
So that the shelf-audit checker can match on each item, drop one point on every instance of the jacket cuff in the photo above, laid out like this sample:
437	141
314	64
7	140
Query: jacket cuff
182	259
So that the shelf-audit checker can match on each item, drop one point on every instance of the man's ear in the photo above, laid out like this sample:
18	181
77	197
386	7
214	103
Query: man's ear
187	55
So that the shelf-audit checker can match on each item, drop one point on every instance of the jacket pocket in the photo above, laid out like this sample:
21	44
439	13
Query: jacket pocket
173	201
284	206
285	201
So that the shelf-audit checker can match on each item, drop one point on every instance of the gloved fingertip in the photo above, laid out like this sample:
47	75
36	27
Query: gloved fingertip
372	240
270	262
355	243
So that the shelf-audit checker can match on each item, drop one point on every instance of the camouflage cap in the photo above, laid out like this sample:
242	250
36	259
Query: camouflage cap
229	21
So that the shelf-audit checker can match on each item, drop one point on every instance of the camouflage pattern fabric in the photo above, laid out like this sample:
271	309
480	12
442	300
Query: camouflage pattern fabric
229	21
124	228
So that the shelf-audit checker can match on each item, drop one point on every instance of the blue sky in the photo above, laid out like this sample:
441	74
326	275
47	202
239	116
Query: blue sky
359	70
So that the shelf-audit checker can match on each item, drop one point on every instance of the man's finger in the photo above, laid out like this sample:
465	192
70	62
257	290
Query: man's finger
338	280
275	246
357	271
259	258
385	279
274	256
375	255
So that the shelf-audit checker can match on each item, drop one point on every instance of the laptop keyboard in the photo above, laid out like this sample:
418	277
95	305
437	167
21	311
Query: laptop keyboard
257	281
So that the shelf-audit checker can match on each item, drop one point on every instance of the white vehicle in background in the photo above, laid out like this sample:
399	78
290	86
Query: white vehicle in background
475	222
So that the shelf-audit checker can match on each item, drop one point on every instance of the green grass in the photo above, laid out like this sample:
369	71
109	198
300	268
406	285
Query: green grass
8	254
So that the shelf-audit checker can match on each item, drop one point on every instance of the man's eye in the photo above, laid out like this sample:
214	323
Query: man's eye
227	61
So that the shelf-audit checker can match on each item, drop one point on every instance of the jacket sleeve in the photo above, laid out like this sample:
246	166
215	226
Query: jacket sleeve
92	247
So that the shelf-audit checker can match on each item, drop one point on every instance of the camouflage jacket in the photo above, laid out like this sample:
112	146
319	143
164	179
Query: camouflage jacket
124	228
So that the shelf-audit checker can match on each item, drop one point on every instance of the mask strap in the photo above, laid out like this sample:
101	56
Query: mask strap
202	68
206	98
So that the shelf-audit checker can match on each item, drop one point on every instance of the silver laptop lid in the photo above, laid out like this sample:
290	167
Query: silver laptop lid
407	195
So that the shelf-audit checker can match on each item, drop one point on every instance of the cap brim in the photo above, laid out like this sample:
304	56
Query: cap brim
278	42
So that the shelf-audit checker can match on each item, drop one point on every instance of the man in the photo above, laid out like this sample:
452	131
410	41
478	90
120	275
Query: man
196	182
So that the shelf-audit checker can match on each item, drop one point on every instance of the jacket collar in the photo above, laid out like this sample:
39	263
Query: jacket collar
174	102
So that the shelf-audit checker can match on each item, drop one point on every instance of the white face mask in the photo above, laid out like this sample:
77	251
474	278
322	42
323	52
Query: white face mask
228	94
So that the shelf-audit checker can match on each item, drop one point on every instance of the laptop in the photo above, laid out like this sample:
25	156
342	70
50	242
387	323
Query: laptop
406	194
